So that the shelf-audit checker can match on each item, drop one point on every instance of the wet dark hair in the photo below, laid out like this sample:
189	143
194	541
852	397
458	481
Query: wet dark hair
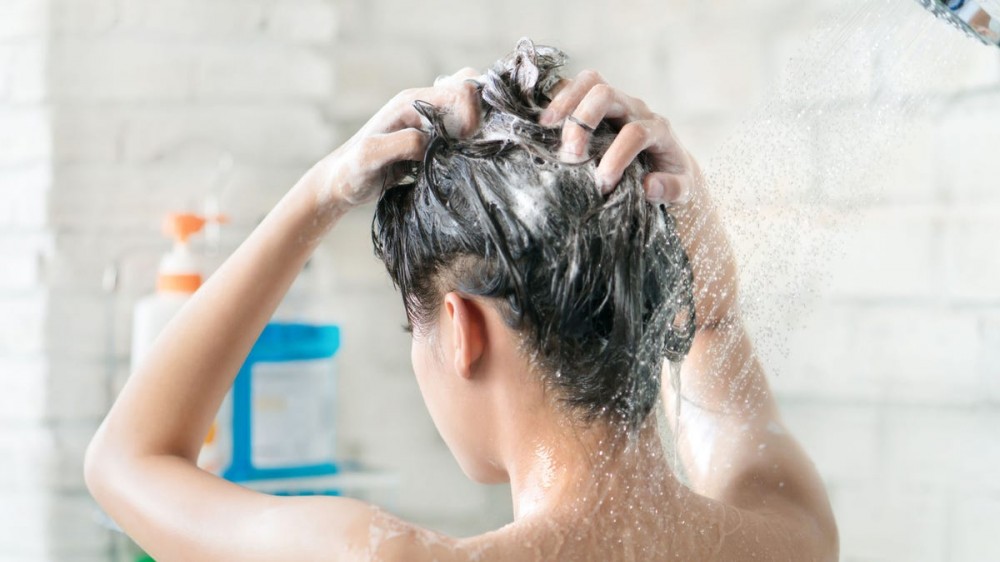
598	286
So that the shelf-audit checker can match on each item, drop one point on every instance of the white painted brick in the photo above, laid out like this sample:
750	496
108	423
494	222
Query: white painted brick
860	148
40	457
85	17
21	256
545	23
925	354
276	134
24	135
703	138
22	523
87	134
24	384
641	77
6	62
122	70
22	331
570	28
256	189
974	528
973	259
349	253
821	60
371	74
192	19
410	22
880	523
306	21
78	394
78	325
810	356
480	57
696	52
24	195
966	139
125	199
891	254
763	9
262	71
861	352
22	71
905	166
72	527
951	448
762	164
989	364
781	252
51	527
21	19
82	257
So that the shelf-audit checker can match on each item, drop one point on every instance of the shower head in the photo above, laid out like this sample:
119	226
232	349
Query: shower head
979	19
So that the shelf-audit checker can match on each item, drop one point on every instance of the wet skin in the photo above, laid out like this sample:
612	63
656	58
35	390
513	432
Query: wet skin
579	492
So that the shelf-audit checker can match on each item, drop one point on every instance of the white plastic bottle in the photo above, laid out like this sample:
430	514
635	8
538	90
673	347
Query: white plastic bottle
178	277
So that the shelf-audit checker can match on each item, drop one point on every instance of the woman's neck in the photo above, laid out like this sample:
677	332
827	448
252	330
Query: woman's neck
565	466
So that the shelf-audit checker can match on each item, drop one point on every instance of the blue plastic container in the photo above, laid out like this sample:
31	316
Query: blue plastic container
283	405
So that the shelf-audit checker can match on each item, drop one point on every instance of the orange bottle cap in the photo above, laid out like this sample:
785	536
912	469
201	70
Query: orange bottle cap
181	226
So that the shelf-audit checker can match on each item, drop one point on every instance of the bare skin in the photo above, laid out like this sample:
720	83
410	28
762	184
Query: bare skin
579	492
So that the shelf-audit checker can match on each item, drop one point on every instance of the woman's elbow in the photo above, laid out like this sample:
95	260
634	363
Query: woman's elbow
97	466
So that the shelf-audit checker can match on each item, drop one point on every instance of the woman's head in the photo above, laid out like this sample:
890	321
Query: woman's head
596	289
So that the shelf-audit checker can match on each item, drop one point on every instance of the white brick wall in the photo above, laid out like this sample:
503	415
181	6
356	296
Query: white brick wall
851	147
111	114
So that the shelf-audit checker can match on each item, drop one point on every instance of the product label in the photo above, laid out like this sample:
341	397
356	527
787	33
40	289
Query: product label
293	413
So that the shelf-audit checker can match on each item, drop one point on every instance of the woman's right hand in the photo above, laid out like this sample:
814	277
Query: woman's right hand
675	180
358	171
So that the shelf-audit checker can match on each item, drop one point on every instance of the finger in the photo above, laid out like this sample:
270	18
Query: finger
667	188
467	73
557	87
465	113
459	99
388	148
600	103
569	97
654	135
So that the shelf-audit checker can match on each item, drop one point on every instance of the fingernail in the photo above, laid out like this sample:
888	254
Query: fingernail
655	190
546	117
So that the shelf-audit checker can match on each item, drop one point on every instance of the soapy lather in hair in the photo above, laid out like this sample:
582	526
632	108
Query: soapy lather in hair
599	286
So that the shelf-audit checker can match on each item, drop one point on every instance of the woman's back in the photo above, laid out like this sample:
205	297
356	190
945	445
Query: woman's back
639	512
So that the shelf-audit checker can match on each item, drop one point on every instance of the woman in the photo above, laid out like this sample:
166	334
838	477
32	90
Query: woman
544	293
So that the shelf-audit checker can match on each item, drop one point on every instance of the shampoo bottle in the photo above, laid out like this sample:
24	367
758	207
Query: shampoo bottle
178	277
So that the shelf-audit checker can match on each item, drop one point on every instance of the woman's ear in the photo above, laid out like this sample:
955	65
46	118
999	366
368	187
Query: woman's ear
468	332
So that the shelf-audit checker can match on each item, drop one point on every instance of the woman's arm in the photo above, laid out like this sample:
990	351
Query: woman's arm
733	444
140	465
